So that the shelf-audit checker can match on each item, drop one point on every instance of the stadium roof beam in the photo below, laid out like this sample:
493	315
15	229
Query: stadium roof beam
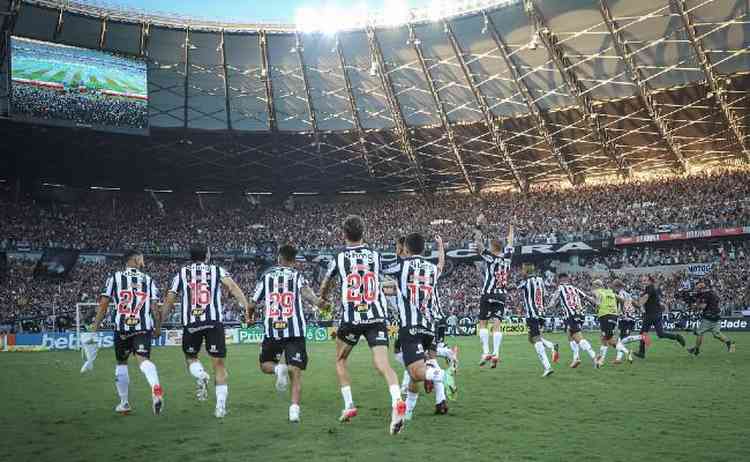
353	108
103	33
145	34
534	109
225	74
447	126
395	108
187	73
8	25
712	78
266	77
626	55
489	117
299	47
59	25
576	88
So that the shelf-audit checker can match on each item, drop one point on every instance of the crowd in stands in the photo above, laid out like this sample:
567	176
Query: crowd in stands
168	224
88	108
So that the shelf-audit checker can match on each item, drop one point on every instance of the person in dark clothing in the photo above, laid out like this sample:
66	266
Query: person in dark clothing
650	301
707	302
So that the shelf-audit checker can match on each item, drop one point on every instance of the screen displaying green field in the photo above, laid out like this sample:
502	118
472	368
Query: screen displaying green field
87	87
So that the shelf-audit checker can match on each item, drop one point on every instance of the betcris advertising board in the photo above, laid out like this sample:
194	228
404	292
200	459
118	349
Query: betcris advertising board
53	341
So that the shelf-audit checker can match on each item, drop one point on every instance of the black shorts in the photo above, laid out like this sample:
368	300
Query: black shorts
293	348
625	326
413	346
574	324
138	343
652	321
535	326
607	324
193	337
376	333
491	306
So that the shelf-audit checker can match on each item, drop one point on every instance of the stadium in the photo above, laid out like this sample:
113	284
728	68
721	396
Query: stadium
481	193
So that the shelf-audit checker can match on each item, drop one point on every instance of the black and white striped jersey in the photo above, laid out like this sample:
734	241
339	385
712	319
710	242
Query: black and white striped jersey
358	270
626	306
533	296
418	299
571	300
496	273
132	291
279	289
200	287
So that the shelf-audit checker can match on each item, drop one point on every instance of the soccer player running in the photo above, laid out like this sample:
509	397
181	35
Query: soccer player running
571	300
417	281
363	313
133	292
626	321
650	300
532	288
606	311
200	283
494	294
281	289
707	301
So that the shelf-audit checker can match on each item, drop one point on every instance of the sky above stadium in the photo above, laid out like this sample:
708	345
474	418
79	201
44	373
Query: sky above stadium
253	10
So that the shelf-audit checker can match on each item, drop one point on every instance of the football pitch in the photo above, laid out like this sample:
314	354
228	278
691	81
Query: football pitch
670	407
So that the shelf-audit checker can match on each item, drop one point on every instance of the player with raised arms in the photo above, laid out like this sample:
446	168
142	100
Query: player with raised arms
281	289
363	313
200	283
134	294
492	304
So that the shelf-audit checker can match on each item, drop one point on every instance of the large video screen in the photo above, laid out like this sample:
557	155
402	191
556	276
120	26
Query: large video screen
60	84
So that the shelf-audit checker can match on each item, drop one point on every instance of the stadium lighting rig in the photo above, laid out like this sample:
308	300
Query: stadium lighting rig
330	20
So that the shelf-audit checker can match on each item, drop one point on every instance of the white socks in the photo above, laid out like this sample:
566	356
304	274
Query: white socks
586	346
621	350
497	339
197	371
346	393
547	343
603	351
221	395
631	338
433	372
542	354
149	370
395	394
574	348
406	380
122	381
484	336
411	400
446	352
439	392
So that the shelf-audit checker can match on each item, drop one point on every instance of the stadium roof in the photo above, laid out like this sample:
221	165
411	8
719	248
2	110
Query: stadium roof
512	93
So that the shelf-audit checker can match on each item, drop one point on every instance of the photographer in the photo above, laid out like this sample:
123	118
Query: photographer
707	302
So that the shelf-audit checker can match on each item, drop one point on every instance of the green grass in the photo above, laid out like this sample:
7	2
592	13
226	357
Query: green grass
671	407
